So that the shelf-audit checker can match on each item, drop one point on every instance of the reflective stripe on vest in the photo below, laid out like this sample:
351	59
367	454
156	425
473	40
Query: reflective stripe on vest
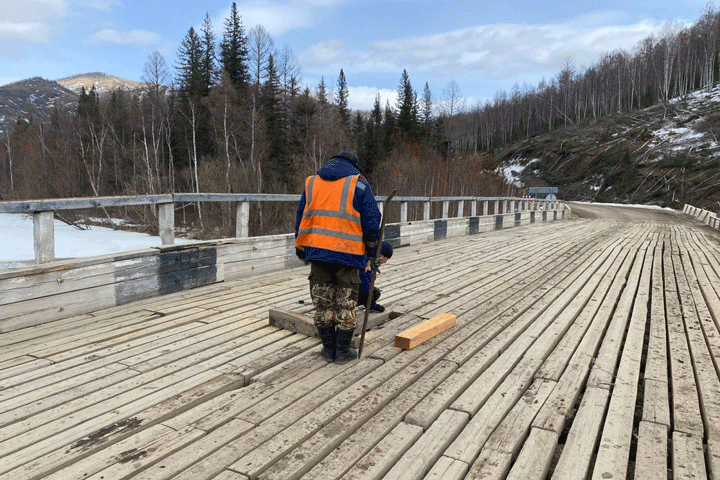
329	220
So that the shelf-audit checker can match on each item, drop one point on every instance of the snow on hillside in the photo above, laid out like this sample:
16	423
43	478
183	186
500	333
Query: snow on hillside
16	241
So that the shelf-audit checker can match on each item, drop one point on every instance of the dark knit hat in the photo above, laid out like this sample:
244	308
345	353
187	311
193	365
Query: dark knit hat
386	250
350	157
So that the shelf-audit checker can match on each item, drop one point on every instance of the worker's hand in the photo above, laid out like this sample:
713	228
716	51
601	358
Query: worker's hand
375	265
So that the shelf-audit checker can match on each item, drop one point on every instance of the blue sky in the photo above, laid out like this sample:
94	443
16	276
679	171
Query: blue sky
483	46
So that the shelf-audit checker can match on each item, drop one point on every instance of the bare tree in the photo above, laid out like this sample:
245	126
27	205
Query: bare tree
260	46
451	101
155	73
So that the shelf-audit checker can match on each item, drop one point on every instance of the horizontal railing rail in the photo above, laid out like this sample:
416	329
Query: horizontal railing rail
43	211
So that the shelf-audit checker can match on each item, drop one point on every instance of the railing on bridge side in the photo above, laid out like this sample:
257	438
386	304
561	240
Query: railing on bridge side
43	211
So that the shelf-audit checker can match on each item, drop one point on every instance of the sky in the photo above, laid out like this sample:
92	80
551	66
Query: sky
484	47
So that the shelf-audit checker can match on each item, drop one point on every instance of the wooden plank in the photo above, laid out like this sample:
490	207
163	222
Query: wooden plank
448	469
203	447
614	452
713	459
305	324
344	440
652	451
418	334
493	464
130	455
428	449
579	448
656	401
378	461
313	434
514	428
688	459
533	461
505	332
305	416
686	416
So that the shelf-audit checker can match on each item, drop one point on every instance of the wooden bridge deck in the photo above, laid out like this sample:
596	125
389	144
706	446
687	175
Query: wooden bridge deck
585	348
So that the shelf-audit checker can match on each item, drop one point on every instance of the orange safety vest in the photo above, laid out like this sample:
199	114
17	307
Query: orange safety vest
329	220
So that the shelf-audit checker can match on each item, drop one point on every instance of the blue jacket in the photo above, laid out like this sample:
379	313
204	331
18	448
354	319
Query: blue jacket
363	201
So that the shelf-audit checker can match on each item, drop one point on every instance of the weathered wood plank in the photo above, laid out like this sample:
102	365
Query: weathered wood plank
427	450
652	451
533	461
579	448
688	459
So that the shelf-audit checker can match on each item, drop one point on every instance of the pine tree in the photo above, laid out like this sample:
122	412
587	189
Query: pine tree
342	99
406	106
88	103
322	92
427	112
280	166
234	50
207	64
189	67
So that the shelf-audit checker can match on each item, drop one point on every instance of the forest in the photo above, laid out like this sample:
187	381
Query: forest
233	116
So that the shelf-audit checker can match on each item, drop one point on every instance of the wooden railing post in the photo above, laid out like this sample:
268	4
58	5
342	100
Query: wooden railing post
473	208
512	206
461	208
403	211
242	220
446	209
497	207
486	205
166	222
426	211
44	236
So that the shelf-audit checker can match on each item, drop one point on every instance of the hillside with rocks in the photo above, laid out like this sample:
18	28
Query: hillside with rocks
38	97
665	155
102	82
33	97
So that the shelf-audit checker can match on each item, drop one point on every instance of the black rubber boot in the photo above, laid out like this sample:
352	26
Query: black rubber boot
343	352
327	335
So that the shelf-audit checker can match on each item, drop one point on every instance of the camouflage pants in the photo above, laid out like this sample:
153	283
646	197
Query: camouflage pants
334	290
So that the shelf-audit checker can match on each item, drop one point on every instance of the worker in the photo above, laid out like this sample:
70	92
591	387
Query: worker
386	251
336	231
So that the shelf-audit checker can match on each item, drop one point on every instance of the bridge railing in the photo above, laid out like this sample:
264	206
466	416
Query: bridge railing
43	211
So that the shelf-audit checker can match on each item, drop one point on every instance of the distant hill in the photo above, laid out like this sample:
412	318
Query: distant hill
32	97
102	82
666	155
37	96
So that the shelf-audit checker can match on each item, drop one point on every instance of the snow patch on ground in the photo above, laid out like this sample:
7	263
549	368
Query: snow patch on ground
16	241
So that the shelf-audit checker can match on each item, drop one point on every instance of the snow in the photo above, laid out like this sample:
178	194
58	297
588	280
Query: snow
16	241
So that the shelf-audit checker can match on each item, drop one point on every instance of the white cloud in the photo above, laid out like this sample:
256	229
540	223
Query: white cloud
363	98
30	20
494	52
103	5
131	38
277	17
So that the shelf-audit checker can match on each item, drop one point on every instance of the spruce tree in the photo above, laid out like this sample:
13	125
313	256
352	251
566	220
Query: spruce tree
406	106
322	92
234	50
189	67
342	99
427	112
207	63
280	171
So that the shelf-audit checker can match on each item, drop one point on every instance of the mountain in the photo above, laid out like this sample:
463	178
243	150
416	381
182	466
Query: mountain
37	96
102	82
31	97
665	155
